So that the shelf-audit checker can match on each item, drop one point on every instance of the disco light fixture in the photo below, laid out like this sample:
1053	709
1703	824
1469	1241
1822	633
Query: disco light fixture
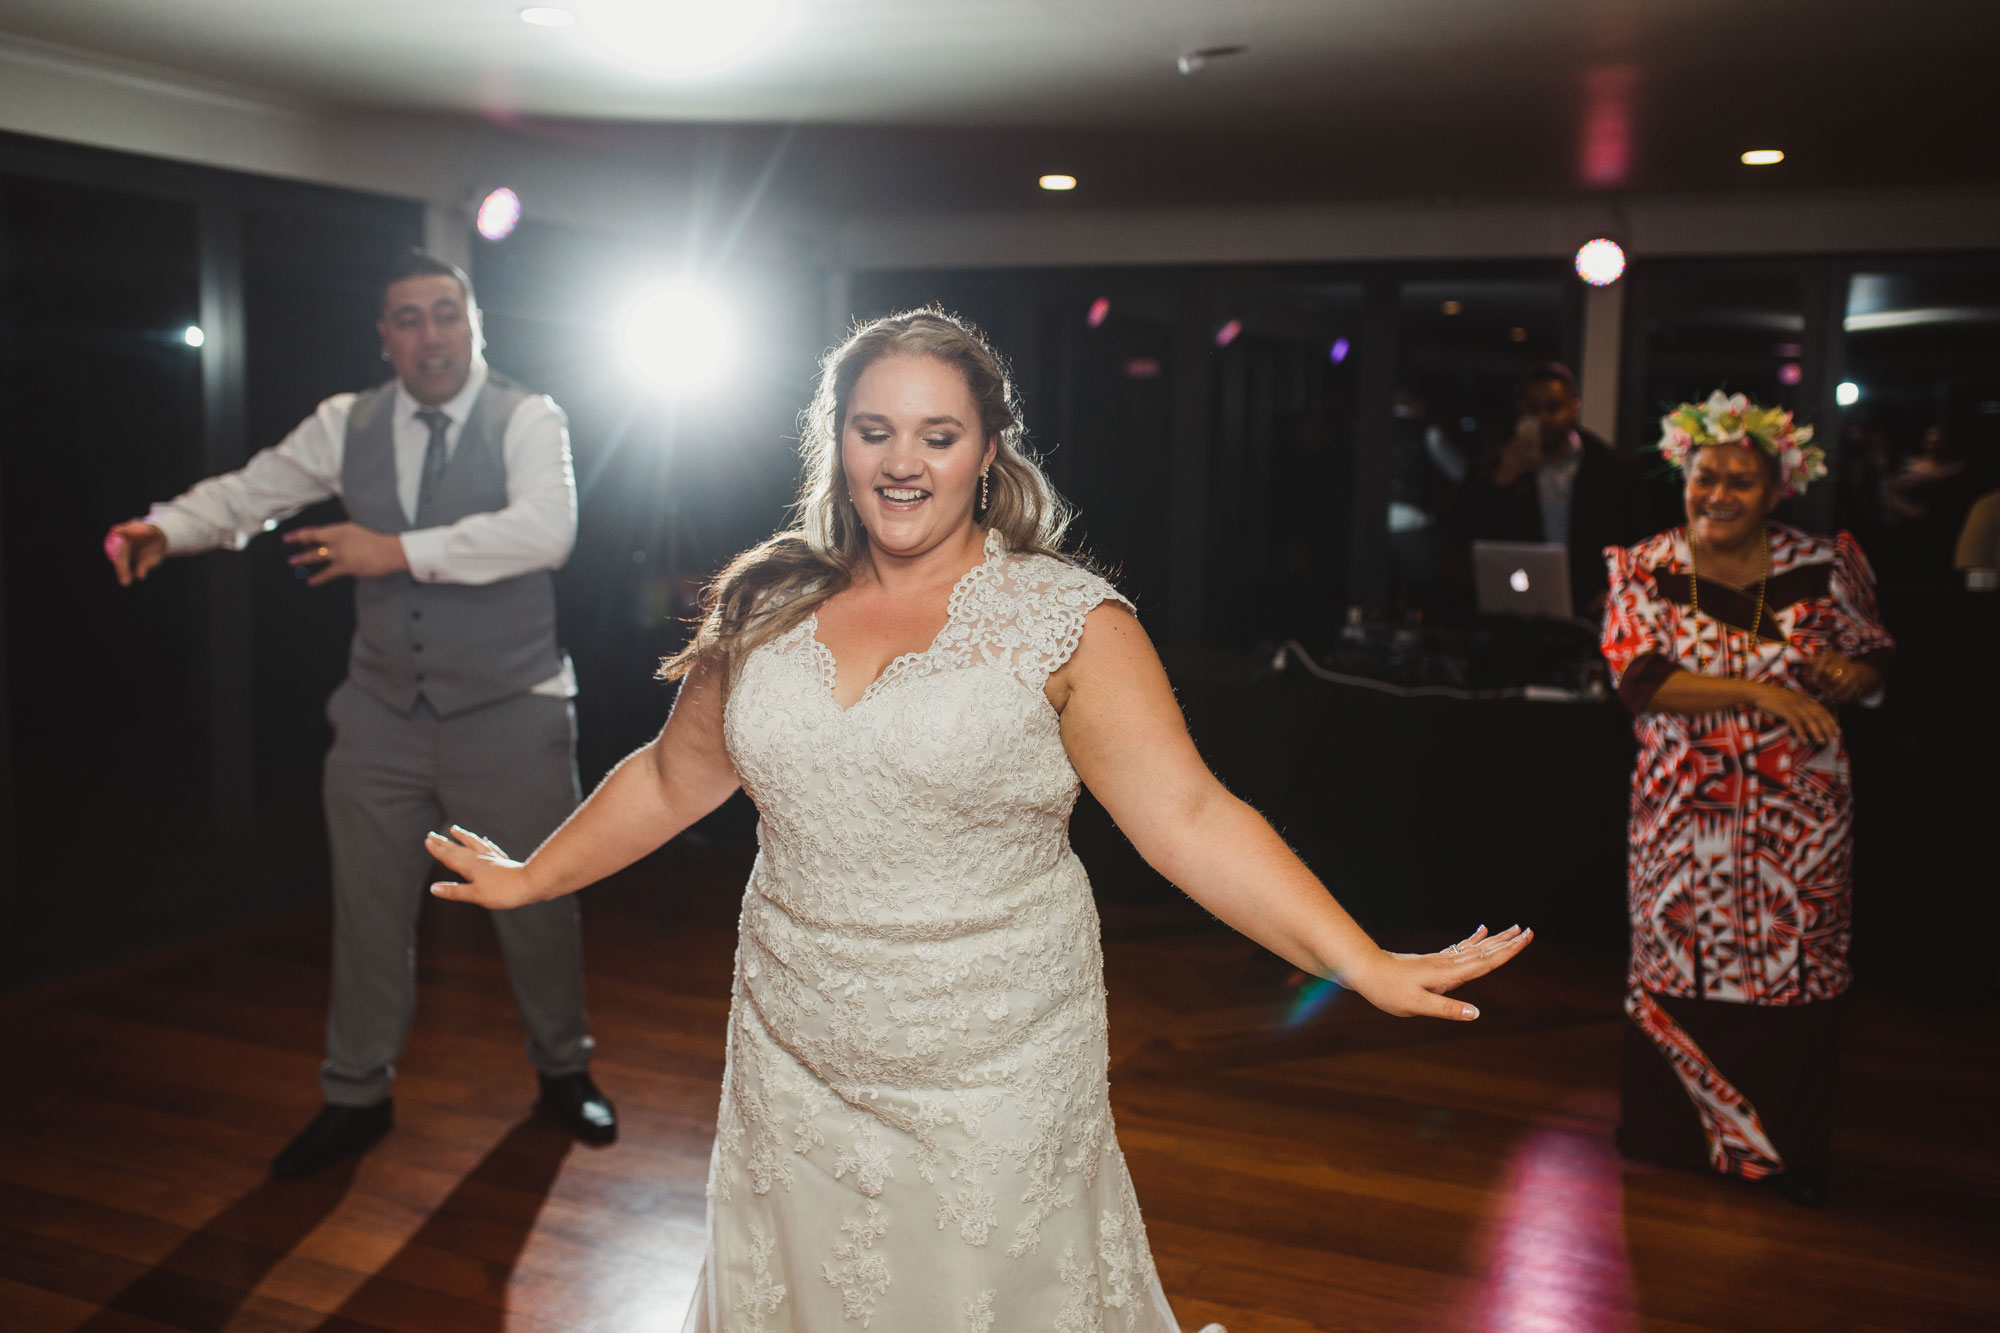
1600	262
676	337
499	214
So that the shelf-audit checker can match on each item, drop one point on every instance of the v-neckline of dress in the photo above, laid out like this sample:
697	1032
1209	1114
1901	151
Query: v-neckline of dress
829	666
1684	552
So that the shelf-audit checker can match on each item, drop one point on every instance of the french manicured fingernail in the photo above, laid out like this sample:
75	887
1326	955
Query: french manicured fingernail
435	836
1470	1012
438	889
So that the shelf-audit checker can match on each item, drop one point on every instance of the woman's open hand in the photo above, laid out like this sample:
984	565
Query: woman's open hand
490	878
1411	985
1804	714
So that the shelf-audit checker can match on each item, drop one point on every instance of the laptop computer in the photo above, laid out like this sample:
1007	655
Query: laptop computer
1522	579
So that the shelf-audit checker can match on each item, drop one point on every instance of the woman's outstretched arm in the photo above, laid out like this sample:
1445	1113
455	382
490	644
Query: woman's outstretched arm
1690	695
654	793
1124	732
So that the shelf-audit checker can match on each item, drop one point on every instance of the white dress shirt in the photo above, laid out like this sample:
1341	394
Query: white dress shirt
1555	485
536	530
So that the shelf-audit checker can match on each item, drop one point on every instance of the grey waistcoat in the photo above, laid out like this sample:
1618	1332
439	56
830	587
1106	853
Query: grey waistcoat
454	645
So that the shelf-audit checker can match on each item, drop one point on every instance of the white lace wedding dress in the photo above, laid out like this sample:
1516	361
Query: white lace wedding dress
915	1133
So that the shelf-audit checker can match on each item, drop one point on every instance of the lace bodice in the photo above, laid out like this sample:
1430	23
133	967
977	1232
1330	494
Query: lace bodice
915	1129
948	772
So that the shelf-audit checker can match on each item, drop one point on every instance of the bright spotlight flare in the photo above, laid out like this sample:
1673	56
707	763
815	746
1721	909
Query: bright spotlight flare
499	212
682	36
676	337
1600	262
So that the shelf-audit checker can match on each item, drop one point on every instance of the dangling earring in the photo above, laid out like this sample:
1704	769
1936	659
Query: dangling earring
984	503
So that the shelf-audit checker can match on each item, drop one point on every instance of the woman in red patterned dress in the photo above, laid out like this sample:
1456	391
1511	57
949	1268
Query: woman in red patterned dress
1733	640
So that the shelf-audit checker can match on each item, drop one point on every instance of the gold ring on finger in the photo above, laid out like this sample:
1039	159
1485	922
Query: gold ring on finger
325	554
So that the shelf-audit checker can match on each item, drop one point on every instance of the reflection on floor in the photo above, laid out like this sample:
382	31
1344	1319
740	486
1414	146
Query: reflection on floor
1304	1162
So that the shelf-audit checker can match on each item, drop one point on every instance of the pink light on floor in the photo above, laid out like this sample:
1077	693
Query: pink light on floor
1099	310
1556	1259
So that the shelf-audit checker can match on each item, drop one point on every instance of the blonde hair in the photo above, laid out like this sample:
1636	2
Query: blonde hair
776	584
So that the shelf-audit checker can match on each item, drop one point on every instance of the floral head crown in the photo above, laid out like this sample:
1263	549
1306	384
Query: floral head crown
1734	419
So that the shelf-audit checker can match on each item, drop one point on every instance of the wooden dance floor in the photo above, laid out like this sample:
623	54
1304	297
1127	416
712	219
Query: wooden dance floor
1304	1162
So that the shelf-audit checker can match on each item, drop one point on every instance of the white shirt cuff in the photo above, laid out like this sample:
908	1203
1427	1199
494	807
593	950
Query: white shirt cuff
185	536
424	549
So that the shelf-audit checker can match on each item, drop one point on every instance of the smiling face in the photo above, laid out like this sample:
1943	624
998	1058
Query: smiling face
427	331
1730	492
911	450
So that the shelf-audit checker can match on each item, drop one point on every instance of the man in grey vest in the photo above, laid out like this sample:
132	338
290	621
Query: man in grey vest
456	706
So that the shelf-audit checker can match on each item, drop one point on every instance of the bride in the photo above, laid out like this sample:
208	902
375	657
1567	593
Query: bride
915	1130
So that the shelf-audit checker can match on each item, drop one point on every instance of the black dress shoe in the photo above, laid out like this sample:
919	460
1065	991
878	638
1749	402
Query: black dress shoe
336	1133
574	1102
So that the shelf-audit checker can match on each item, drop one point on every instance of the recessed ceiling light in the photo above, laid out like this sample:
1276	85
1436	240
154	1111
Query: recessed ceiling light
547	16
1763	157
1058	182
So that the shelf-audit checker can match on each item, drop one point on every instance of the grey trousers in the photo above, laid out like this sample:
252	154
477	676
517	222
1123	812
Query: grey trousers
507	771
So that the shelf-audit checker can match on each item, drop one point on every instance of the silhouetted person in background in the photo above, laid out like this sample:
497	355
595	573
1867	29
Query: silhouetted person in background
1556	482
1929	499
456	707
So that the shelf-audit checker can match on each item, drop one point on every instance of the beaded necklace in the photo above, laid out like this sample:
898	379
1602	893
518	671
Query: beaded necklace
1694	605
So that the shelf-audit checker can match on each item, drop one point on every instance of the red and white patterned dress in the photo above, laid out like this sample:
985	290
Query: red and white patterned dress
1740	854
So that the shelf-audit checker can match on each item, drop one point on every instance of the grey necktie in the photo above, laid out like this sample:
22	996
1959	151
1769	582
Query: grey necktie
434	458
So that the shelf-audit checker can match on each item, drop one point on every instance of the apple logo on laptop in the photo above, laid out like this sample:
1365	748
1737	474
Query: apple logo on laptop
1518	580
